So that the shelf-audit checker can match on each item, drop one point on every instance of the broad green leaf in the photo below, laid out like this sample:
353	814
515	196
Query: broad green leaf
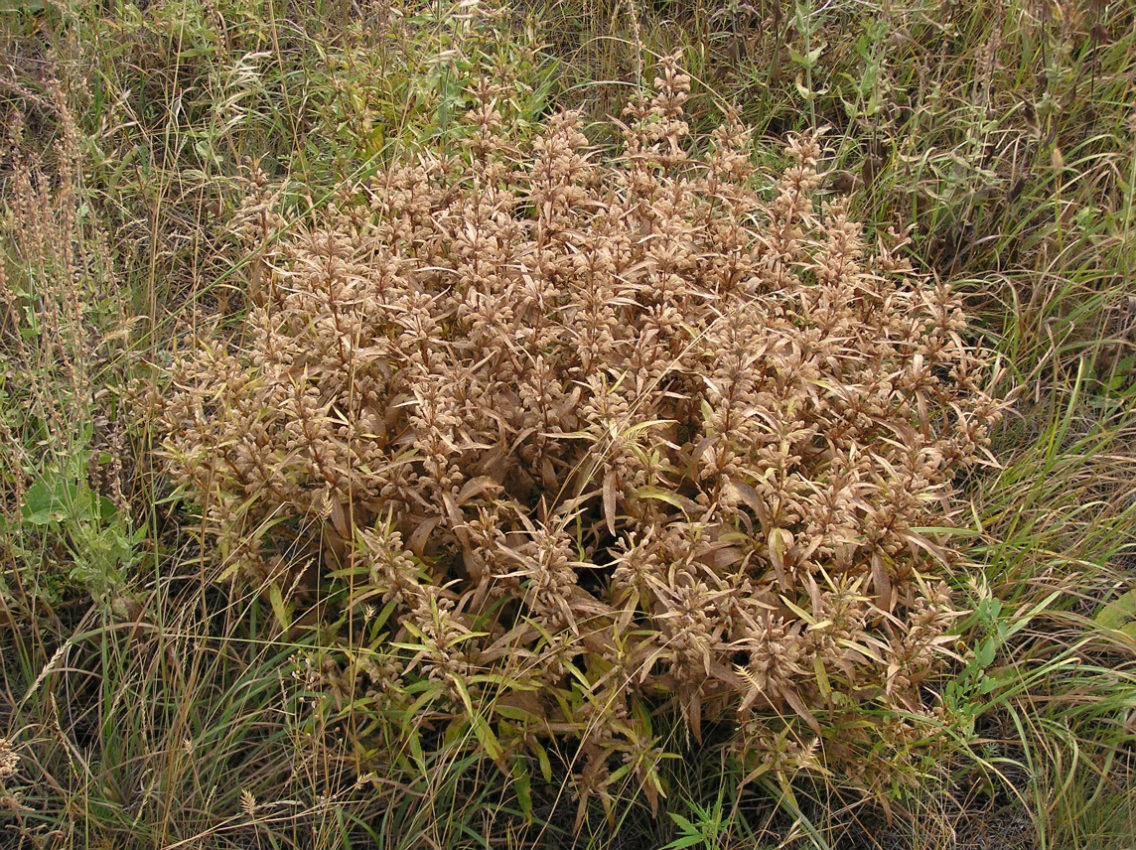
1119	613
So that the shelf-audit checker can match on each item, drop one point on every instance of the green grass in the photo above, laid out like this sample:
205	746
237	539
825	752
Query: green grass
151	706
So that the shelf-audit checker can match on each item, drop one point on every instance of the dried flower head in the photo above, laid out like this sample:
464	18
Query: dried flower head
9	760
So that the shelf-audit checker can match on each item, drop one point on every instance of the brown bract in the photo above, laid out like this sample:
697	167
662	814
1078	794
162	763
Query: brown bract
600	435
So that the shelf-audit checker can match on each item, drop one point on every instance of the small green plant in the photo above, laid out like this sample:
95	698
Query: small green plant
64	503
397	78
97	537
808	57
703	831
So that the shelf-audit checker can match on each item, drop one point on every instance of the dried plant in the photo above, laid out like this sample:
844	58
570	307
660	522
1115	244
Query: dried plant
591	439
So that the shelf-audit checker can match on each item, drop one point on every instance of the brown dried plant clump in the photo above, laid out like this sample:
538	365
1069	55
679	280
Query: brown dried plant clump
590	439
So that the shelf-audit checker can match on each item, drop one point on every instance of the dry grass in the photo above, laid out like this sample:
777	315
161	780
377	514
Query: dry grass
523	451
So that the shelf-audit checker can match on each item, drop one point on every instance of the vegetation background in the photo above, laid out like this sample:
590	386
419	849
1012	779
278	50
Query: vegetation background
145	703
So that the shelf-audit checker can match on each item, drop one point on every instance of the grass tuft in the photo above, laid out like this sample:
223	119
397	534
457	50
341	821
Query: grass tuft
157	159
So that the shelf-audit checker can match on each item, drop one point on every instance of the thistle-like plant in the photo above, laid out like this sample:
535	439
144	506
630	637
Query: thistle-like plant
583	442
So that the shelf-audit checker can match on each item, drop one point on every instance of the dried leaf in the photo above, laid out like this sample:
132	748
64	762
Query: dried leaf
609	501
881	582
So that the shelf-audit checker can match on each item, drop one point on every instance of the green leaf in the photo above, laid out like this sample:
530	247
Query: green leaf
522	783
282	611
823	684
53	499
984	653
673	499
542	759
683	824
692	834
808	59
1119	613
481	730
946	529
416	754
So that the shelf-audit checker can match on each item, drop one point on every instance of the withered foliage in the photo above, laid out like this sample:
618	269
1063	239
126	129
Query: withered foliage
592	437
